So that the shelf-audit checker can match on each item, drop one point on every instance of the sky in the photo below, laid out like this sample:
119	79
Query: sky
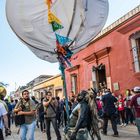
18	65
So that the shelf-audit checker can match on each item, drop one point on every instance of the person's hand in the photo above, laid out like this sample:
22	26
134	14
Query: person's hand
19	109
50	98
20	113
33	111
73	136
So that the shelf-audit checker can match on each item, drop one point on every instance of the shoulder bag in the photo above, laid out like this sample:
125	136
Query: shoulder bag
19	119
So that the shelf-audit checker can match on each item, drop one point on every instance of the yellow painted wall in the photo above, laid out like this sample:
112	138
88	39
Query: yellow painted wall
56	81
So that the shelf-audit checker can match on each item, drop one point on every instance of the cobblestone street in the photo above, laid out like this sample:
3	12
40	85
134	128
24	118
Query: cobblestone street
125	133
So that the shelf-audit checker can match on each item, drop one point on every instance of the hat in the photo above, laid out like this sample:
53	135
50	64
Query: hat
2	91
136	89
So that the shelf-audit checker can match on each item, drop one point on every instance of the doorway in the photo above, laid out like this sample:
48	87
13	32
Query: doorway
99	77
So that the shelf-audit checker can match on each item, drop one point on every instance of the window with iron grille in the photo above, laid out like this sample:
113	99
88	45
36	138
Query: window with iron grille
135	44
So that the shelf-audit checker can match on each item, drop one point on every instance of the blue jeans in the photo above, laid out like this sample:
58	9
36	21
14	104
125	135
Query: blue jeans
138	124
27	127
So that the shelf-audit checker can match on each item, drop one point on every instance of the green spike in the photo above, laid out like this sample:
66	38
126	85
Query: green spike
56	26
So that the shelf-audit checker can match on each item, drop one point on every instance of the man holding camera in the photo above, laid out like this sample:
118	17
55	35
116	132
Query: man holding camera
26	107
50	105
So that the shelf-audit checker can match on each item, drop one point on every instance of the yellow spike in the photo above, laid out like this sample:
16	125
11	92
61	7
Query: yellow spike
52	17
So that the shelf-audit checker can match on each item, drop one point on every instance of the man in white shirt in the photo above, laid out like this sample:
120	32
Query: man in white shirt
3	118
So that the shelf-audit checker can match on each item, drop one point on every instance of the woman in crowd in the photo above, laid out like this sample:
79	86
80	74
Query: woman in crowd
121	109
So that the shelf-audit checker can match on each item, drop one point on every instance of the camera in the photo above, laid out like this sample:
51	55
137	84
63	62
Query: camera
23	107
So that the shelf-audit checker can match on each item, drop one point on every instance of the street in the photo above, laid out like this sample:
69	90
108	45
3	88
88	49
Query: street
125	133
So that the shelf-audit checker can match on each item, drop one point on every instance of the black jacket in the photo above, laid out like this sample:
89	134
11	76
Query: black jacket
109	104
84	116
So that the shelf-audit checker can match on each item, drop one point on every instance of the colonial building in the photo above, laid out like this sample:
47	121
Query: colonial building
111	60
44	82
53	84
35	81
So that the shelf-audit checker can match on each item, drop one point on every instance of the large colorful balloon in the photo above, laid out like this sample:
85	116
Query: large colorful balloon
74	23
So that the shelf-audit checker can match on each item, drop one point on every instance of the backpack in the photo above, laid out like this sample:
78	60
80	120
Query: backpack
19	119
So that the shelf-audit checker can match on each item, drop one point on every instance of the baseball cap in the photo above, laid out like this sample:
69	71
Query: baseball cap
136	89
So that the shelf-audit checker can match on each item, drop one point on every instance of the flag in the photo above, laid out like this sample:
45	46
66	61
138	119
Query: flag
69	53
60	49
53	18
56	26
62	40
67	61
48	2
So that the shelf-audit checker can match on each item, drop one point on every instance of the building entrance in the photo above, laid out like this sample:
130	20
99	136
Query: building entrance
99	77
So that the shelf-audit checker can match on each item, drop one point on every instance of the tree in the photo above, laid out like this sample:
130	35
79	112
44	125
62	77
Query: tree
3	84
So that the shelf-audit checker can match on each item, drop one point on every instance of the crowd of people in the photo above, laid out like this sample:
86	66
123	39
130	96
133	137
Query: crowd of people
122	106
121	110
83	109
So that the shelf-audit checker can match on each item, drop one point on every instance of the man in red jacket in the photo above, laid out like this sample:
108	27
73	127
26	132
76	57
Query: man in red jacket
135	102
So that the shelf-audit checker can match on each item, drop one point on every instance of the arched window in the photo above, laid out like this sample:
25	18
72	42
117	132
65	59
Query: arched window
135	44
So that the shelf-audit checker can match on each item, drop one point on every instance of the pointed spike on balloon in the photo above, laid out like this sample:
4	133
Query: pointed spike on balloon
56	26
62	40
60	49
53	18
48	2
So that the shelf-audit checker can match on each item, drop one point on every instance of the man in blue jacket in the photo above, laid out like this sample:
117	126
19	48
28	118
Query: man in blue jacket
109	110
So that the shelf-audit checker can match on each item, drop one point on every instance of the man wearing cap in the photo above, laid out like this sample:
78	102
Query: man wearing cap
135	102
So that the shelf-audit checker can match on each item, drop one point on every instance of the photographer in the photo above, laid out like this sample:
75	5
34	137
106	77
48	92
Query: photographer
50	105
26	107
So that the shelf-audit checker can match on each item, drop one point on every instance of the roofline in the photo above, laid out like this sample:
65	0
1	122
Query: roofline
117	23
48	79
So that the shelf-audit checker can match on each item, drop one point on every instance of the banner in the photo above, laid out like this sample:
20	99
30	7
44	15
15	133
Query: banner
56	26
48	2
53	18
62	40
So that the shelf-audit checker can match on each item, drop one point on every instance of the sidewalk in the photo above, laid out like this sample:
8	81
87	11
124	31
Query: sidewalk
125	133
